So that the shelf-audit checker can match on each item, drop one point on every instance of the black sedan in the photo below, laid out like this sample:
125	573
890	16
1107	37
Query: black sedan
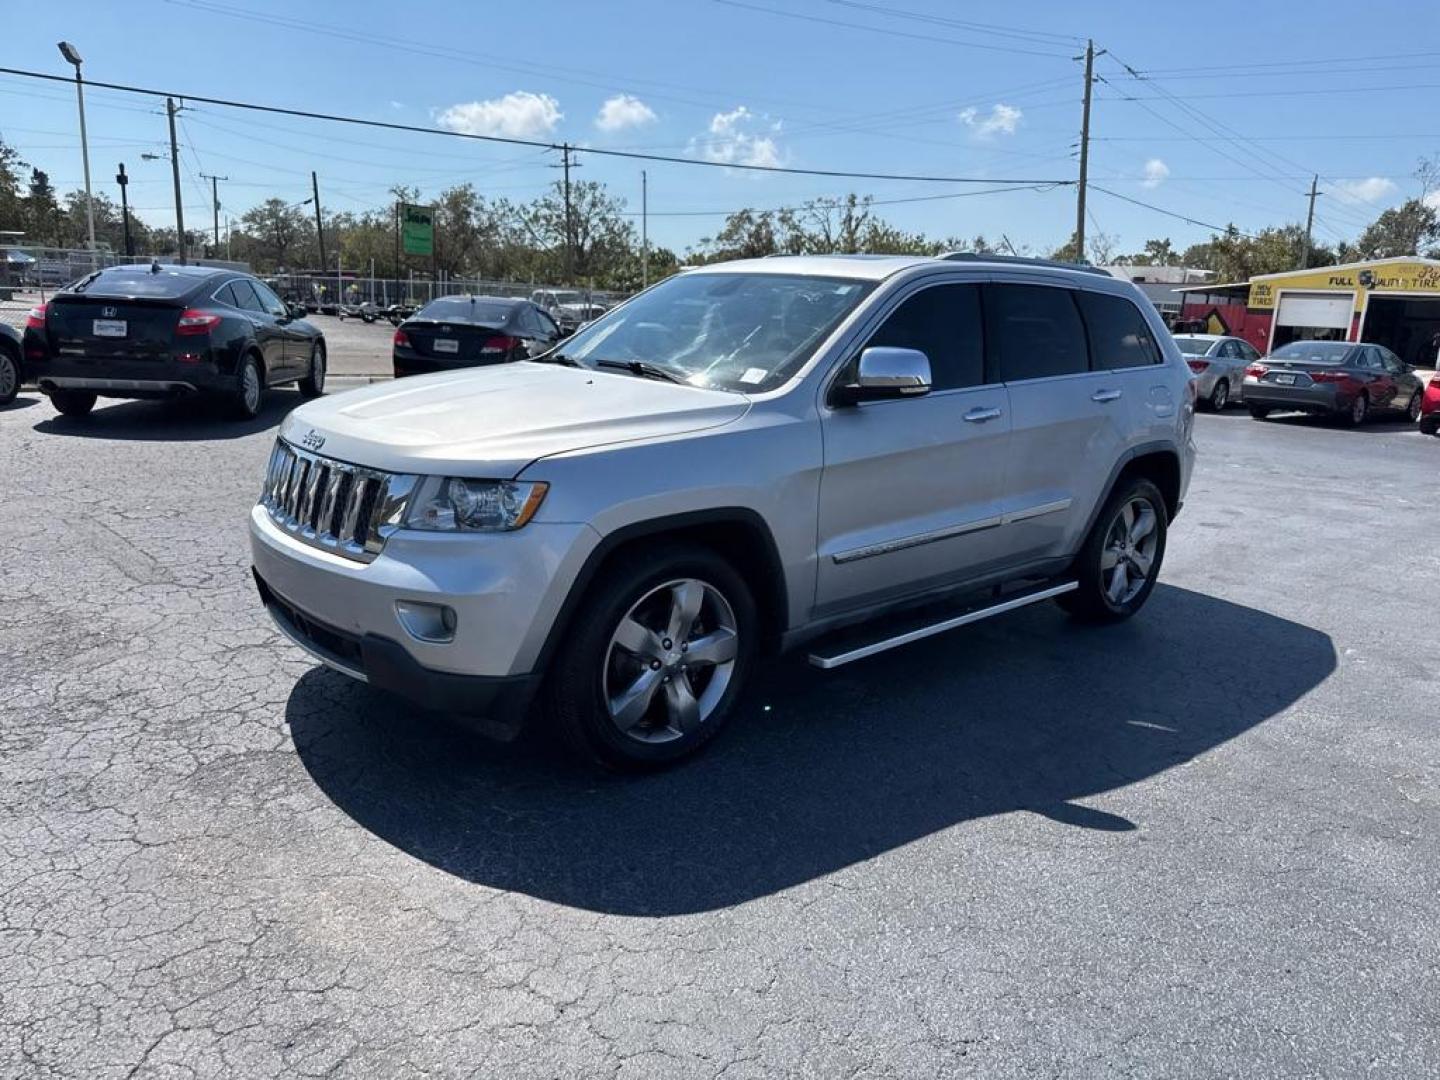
1344	379
167	331
10	369
470	331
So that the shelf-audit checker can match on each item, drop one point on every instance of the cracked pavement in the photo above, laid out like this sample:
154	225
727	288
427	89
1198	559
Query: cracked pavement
1201	843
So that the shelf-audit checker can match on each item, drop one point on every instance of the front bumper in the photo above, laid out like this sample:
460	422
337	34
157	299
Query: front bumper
505	589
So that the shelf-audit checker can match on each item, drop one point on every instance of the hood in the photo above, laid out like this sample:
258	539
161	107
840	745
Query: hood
493	421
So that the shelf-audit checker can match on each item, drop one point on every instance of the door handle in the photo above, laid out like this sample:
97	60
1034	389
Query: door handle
979	416
1106	395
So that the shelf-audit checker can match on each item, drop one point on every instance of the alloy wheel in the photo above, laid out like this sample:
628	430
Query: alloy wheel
250	388
1413	411
1128	556
317	368
1358	409
1220	396
8	377
670	660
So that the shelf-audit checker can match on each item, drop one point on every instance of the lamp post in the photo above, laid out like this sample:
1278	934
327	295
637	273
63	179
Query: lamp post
72	56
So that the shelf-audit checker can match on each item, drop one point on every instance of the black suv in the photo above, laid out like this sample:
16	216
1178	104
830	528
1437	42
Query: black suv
165	331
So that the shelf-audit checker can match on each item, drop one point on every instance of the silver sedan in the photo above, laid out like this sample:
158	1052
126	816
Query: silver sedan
1219	364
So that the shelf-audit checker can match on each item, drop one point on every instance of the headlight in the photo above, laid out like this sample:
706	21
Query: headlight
453	504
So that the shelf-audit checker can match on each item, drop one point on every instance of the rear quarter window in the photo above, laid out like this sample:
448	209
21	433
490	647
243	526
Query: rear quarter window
1119	335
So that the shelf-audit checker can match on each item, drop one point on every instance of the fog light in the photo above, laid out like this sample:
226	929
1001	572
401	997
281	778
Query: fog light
432	623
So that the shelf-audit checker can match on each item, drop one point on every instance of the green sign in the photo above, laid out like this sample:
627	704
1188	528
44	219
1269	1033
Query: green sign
417	229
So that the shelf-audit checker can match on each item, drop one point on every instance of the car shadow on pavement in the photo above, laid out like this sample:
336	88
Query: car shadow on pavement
172	420
820	770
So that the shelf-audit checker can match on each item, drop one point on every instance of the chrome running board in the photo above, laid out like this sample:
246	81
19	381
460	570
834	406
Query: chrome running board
832	659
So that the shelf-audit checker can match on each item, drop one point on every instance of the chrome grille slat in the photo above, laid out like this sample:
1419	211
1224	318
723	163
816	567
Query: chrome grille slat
346	509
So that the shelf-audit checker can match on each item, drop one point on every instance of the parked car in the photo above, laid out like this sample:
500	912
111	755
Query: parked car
1348	380
1219	364
744	459
166	331
12	368
470	331
1430	408
570	308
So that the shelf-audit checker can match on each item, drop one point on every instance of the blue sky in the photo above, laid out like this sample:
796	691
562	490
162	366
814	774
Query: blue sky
1242	102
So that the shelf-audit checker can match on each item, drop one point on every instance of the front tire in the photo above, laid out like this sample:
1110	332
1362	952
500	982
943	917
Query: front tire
1259	412
655	659
313	385
1430	425
245	402
1120	562
72	402
9	378
1412	411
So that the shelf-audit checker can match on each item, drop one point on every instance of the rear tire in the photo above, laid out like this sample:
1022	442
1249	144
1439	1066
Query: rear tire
249	396
1359	409
1120	562
313	385
1220	396
72	402
1430	425
9	377
625	690
1259	412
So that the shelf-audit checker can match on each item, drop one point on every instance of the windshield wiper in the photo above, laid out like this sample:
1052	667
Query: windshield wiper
643	369
556	358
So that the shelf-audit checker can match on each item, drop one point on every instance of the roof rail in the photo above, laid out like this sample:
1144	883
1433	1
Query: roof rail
1022	260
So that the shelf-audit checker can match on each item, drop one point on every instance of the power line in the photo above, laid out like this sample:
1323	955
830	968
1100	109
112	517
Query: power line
871	202
1019	33
511	141
1171	213
930	38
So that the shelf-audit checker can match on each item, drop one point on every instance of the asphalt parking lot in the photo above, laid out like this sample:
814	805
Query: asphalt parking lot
1202	843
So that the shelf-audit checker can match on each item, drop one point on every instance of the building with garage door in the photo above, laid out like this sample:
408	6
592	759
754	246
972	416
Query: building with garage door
1390	302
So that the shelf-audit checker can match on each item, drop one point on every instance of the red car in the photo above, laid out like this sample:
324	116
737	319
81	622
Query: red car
1430	408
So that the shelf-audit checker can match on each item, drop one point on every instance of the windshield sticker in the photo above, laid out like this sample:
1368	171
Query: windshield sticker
754	375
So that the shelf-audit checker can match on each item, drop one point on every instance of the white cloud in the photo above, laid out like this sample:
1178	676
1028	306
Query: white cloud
1001	120
1371	189
1154	173
623	111
733	138
519	115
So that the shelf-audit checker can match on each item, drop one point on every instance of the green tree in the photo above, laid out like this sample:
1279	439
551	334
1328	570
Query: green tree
42	212
1401	230
274	231
13	211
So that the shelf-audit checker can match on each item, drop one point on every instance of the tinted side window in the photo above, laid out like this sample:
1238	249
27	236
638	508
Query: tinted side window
245	296
1119	335
1230	350
226	296
1033	331
944	323
547	324
1248	352
268	300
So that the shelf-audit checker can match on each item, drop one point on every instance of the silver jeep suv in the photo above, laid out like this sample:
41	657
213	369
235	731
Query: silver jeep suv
846	453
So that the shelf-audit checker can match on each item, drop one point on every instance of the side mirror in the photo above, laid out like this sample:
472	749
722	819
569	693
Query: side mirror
883	373
297	311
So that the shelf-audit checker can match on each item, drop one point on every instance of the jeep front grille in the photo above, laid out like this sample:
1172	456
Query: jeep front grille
332	505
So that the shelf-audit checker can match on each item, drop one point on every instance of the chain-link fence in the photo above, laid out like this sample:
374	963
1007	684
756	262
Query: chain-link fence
327	291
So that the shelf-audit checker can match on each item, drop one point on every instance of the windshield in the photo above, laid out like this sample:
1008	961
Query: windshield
742	332
1313	352
1194	346
465	309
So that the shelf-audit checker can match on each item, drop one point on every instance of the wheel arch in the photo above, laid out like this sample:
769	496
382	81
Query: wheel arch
737	534
1157	462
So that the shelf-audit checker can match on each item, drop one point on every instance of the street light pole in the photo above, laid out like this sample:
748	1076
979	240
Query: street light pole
72	56
124	182
215	204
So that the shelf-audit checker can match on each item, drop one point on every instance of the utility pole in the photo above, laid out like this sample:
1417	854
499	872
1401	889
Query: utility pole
1309	223
644	230
1084	153
319	230
567	165
170	110
124	182
215	204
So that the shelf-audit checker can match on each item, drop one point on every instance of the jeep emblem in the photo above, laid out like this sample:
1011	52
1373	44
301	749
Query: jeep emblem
313	440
